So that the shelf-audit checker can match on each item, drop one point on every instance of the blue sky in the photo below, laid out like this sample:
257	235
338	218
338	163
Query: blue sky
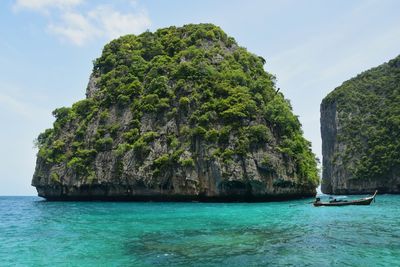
47	48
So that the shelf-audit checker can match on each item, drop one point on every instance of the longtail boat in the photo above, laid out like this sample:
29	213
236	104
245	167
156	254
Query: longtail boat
340	202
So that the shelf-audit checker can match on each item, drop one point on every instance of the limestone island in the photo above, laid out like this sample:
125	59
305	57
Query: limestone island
181	114
360	127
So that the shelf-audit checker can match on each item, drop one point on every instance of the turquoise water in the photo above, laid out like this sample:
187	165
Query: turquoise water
34	232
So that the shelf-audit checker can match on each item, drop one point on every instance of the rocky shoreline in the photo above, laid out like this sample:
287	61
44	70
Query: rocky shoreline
99	193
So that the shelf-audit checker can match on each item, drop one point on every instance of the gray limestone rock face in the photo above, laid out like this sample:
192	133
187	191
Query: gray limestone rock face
92	88
209	179
335	174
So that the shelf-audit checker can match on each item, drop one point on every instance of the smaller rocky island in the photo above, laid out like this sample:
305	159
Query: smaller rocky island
360	128
178	114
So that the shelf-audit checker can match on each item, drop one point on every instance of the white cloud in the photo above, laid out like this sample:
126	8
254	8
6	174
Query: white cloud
114	24
101	22
44	5
75	28
69	22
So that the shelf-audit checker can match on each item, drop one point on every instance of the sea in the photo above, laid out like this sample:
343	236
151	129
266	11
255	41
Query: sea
35	232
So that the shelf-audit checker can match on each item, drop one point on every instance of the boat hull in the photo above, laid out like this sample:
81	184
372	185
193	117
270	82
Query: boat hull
364	201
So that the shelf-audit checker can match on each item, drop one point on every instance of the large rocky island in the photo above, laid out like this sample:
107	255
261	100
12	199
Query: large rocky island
178	114
360	127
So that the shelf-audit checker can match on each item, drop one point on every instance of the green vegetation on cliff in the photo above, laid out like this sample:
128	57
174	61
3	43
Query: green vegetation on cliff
195	75
368	109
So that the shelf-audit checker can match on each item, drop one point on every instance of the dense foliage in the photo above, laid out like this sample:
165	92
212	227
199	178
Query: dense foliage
195	74
369	113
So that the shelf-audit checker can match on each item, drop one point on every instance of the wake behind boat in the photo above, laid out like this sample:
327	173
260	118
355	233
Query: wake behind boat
340	202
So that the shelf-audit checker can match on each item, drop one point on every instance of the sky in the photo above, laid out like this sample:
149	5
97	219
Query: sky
47	48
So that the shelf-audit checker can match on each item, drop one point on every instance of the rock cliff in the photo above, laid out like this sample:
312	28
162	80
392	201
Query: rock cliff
360	128
178	114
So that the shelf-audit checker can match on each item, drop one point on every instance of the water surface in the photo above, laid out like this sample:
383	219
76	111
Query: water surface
34	232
